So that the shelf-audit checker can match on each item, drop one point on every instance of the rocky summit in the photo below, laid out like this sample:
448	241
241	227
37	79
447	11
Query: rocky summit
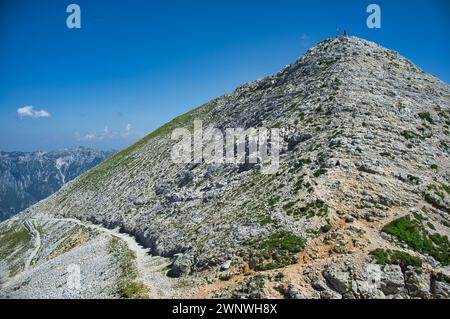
358	208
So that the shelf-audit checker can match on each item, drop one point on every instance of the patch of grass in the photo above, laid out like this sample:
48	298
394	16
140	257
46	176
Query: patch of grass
434	197
273	201
288	206
325	228
319	172
411	232
127	286
414	179
407	134
311	209
301	116
283	241
298	185
78	236
426	116
265	220
431	226
279	250
280	263
441	277
446	188
395	257
14	238
326	63
134	290
15	242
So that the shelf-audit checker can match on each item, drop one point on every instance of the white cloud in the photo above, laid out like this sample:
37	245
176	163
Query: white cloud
105	134
29	111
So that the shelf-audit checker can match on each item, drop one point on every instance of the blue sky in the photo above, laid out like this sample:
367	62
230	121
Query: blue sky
134	65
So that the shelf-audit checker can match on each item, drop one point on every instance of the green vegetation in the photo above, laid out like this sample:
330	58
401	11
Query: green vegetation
301	116
407	134
319	172
93	176
414	179
273	201
278	251
134	291
13	239
298	185
446	188
412	232
127	287
287	207
434	166
435	202
265	220
314	208
311	209
325	228
395	257
326	63
283	241
15	242
441	277
435	196
431	226
426	116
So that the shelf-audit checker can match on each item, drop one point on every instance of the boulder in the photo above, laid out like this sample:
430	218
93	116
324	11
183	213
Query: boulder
225	266
392	280
417	284
294	293
182	265
338	280
441	290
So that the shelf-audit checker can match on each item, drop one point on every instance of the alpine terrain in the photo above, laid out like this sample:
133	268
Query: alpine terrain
26	178
358	208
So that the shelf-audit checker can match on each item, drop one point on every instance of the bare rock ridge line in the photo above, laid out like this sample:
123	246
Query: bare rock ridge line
357	209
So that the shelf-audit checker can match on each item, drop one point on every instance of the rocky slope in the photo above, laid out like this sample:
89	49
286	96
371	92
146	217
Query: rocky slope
359	207
26	178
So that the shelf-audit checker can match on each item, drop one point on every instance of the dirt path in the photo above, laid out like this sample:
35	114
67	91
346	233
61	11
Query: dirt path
37	242
151	268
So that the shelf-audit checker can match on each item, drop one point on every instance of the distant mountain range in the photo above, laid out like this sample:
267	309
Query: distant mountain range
28	177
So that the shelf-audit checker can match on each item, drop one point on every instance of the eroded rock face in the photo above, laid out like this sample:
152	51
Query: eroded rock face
392	280
364	142
417	283
182	265
338	280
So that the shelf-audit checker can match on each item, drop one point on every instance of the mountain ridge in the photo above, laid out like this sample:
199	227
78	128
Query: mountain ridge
364	144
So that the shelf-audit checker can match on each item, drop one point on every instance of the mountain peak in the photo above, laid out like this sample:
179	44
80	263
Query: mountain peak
364	157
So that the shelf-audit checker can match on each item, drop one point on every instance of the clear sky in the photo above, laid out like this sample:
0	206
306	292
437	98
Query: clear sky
134	65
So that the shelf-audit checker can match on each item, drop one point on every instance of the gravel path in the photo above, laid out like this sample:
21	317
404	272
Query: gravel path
151	268
37	242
